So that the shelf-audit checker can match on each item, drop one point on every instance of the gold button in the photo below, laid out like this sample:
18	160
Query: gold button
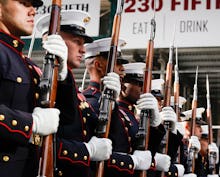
60	173
130	107
84	120
88	114
65	152
35	80
113	161
30	67
169	173
15	43
19	79
85	132
36	95
130	166
122	164
82	106
75	155
152	164
5	158
86	104
14	122
85	157
129	138
2	117
26	128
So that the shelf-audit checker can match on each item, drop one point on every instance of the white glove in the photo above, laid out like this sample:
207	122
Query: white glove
214	149
180	128
162	162
99	148
141	159
167	114
213	175
190	175
194	142
45	120
148	101
112	81
54	44
180	169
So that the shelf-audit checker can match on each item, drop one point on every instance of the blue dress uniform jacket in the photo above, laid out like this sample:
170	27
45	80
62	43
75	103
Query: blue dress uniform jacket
93	94
18	96
77	124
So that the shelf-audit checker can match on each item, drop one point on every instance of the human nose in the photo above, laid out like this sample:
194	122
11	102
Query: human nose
32	11
82	49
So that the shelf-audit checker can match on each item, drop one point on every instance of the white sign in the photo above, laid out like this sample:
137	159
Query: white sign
92	7
196	23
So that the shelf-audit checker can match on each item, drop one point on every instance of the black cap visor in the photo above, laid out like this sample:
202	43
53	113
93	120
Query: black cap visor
76	30
37	3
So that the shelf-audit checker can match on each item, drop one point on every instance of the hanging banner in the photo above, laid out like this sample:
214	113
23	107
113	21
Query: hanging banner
196	23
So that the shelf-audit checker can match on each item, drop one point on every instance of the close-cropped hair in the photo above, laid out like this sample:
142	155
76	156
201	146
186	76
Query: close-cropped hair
3	1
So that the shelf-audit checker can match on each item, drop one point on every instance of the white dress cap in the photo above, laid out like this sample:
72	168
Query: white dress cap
135	68
101	45
205	129
188	115
182	101
157	84
74	19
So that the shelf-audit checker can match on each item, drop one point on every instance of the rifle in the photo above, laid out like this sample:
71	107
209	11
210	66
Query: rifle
107	99
48	87
211	156
176	88
191	154
145	115
167	97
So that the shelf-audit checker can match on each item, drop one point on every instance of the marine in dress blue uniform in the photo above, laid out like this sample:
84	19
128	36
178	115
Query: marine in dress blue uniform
77	118
175	139
200	170
19	78
120	163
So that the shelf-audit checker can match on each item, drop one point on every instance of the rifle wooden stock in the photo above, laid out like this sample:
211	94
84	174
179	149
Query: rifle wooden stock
193	120
167	97
47	164
191	153
107	94
176	90
168	84
211	156
176	100
144	124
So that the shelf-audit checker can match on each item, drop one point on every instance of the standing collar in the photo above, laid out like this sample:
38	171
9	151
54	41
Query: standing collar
95	84
126	105
11	41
